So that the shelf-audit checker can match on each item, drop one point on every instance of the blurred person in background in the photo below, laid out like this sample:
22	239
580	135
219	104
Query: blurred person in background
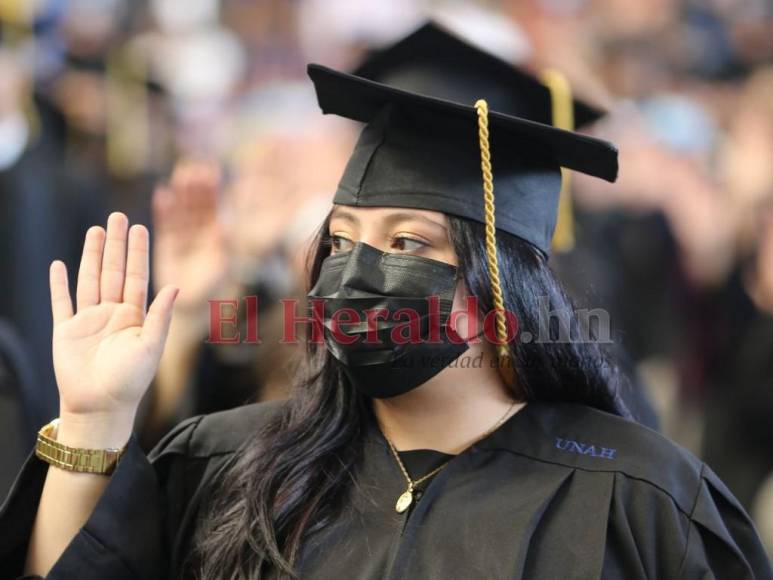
43	201
227	241
202	66
739	405
18	408
737	435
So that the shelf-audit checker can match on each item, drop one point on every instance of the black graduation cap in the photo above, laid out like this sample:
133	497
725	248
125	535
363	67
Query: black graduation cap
436	62
423	152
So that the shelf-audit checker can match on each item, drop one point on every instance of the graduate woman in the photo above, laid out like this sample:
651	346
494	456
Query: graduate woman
392	460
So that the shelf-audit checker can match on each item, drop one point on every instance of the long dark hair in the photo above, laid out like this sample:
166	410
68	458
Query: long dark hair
292	478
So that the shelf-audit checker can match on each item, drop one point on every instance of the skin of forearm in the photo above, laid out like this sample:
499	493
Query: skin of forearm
66	503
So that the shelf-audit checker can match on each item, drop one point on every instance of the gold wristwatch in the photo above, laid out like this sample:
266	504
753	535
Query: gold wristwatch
102	461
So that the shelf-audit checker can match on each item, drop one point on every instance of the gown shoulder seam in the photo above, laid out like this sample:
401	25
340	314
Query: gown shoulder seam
698	489
178	440
692	511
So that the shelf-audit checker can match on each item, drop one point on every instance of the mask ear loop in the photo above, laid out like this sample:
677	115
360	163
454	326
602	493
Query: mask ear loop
506	368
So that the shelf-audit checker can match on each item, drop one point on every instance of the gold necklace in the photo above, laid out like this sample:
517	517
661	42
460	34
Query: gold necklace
406	498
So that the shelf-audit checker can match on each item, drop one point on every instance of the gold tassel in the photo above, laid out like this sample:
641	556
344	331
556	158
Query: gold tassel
506	368
563	118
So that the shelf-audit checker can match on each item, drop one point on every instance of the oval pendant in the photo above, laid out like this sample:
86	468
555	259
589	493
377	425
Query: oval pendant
404	501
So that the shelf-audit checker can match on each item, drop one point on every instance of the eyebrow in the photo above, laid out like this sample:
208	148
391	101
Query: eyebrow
342	214
391	219
408	216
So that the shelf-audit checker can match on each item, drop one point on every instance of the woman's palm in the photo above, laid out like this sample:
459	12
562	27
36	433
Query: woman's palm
106	354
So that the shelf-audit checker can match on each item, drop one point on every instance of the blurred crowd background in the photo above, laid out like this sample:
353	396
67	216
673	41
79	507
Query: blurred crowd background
196	118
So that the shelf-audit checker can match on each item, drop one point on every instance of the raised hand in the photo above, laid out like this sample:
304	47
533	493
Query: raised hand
189	247
107	352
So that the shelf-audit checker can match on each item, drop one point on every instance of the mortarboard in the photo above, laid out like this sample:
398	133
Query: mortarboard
436	62
423	152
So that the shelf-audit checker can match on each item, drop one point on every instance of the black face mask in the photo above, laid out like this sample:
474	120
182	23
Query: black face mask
388	360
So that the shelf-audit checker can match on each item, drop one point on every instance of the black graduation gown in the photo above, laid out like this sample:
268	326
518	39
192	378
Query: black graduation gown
558	491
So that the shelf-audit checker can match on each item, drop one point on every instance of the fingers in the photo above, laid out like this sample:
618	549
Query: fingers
61	304
135	290
106	273
210	180
87	293
114	259
199	183
156	326
195	185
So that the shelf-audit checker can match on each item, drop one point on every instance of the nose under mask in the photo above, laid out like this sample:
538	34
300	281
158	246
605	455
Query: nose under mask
386	318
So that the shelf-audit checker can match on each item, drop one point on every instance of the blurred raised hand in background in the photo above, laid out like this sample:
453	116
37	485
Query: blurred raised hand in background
190	251
219	239
190	245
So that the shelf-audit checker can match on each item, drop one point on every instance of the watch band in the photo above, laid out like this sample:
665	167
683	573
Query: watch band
101	461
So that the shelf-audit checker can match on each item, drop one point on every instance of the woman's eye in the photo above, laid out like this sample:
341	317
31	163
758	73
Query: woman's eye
405	244
340	244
